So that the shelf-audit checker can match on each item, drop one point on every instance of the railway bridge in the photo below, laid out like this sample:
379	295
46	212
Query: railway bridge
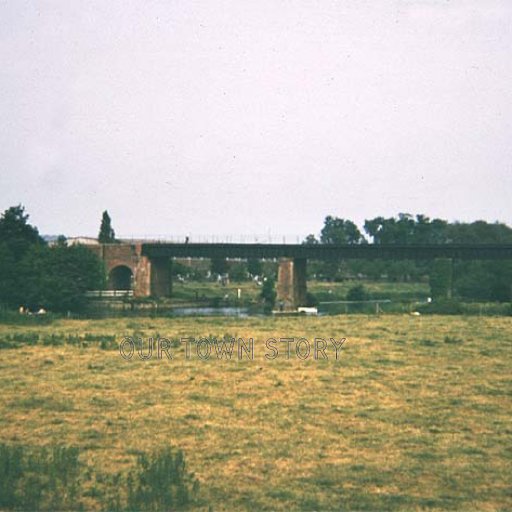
144	267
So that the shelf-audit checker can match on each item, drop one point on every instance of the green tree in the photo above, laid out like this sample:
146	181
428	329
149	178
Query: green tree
479	232
483	280
16	232
219	266
35	275
441	279
268	294
310	240
106	234
254	267
340	231
178	268
61	240
406	229
238	271
335	231
357	292
17	237
403	230
9	277
57	278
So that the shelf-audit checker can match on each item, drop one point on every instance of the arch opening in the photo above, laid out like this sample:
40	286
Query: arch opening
120	278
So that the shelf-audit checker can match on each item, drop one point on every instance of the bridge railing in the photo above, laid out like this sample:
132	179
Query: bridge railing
266	238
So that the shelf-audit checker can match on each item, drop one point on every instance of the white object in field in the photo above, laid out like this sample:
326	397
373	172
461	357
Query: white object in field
308	311
415	313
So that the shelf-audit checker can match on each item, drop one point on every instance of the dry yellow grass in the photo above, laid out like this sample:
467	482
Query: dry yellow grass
414	415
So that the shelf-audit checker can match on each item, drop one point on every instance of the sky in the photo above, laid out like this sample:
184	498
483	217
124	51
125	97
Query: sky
240	118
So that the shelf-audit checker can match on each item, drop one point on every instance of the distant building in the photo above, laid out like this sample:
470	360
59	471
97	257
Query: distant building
82	240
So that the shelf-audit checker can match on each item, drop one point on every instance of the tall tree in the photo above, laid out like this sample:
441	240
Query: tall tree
17	238
107	234
16	232
268	294
405	229
340	231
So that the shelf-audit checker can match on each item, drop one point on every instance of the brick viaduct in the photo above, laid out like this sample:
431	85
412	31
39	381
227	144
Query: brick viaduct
144	267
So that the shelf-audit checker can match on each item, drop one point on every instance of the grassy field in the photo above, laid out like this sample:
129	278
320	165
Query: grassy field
323	291
414	415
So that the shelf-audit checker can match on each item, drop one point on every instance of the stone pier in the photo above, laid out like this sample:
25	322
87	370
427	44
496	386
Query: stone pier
160	277
291	284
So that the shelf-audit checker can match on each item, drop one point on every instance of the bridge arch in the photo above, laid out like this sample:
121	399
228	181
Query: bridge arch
120	277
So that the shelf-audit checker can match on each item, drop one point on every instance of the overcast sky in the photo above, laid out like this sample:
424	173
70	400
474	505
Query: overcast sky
244	117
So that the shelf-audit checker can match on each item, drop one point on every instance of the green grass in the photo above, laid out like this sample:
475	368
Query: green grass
323	291
414	415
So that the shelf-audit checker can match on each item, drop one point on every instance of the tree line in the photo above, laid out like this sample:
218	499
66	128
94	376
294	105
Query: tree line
34	274
471	280
406	229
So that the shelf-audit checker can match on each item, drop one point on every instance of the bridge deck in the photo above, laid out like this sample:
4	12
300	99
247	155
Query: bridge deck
328	252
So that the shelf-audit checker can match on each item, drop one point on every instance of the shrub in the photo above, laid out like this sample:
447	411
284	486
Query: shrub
442	307
160	482
357	292
452	340
38	478
12	317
